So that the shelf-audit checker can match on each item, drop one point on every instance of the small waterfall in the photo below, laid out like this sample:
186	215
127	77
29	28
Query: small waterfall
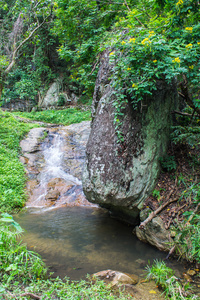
54	162
54	185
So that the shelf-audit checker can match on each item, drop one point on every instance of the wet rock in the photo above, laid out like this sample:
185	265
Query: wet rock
23	159
116	278
52	195
60	184
32	142
31	185
154	232
119	176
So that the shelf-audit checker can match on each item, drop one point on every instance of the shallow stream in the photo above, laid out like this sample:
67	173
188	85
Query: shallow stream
74	237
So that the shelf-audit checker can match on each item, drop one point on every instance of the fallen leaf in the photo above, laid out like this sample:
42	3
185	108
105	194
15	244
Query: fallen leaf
152	292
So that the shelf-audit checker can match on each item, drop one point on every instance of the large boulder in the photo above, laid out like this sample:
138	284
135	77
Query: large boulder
119	176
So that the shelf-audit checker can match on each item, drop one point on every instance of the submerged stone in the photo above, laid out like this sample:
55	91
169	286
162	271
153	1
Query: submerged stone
119	176
116	278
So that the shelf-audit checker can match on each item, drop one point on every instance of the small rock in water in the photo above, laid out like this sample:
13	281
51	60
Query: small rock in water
187	277
141	262
116	278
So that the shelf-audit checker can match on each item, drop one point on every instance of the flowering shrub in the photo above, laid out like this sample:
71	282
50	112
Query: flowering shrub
163	45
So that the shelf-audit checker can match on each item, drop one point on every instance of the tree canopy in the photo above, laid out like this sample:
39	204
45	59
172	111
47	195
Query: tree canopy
159	39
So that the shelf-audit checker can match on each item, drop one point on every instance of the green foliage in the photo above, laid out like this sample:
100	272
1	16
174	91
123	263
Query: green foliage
186	135
81	27
24	45
26	80
64	289
187	239
17	263
168	163
156	45
164	277
65	116
12	175
156	194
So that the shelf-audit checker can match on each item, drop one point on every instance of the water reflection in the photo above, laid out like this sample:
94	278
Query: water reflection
75	241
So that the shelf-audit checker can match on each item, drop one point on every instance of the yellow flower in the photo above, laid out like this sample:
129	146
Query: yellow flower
59	49
189	29
123	42
145	41
112	53
132	40
191	67
133	85
180	2
128	69
155	60
151	33
176	60
198	43
189	46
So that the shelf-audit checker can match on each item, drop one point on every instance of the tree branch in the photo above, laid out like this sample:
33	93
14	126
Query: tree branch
134	17
159	209
181	113
16	49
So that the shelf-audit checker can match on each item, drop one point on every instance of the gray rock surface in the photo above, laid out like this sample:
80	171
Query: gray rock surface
154	232
33	140
119	176
51	97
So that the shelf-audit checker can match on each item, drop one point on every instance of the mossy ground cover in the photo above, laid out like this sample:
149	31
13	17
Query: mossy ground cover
12	175
67	116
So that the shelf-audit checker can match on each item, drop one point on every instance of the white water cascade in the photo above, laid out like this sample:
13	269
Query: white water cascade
58	165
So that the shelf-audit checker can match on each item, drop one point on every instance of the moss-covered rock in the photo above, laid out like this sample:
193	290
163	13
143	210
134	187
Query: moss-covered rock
119	176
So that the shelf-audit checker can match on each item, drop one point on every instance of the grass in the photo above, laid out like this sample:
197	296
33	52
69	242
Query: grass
63	289
12	174
65	117
164	277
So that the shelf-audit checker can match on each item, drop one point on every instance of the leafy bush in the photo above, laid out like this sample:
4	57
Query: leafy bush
12	174
186	135
168	163
187	239
164	277
17	263
63	289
